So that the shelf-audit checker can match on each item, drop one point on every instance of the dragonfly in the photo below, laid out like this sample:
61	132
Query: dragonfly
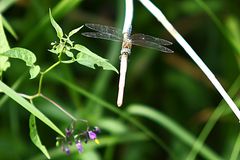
127	40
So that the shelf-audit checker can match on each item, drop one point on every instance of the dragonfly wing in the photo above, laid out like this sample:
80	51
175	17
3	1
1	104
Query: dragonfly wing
152	45
143	37
100	35
104	29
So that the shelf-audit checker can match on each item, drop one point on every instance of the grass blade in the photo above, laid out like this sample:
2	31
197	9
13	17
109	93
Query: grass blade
172	126
219	25
212	121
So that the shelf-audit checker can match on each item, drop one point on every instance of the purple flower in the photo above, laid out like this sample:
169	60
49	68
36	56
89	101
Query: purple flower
79	146
67	150
96	130
92	135
68	132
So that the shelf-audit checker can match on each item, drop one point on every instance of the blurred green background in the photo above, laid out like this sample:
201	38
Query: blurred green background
168	103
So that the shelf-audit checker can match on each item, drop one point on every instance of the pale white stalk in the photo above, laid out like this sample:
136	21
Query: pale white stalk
128	16
124	57
121	85
161	18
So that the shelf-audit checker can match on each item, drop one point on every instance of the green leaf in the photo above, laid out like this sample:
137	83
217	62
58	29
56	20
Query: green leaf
5	4
53	51
35	137
56	26
9	28
25	55
21	53
74	31
29	107
34	71
89	59
69	54
4	64
4	46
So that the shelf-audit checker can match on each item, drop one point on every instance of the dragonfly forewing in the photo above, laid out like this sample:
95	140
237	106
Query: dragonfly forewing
105	36
104	29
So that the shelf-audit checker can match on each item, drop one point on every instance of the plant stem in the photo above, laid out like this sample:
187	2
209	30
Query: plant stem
57	105
43	73
128	16
162	19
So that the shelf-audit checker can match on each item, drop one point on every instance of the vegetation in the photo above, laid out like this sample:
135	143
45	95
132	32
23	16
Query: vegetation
170	109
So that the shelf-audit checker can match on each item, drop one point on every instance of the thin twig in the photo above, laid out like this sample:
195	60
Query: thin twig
161	18
57	105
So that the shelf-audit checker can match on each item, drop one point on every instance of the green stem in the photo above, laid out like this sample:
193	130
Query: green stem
43	73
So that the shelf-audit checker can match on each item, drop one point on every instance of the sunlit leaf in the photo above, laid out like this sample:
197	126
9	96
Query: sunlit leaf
74	31
89	59
4	4
9	28
53	51
21	53
35	137
34	71
4	46
27	56
69	54
56	26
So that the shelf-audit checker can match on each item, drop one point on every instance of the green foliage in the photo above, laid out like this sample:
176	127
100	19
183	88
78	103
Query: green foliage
4	4
35	137
63	47
57	28
170	109
89	59
27	56
84	56
34	71
4	46
9	28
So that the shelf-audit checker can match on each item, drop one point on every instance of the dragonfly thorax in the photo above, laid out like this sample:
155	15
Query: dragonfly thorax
126	46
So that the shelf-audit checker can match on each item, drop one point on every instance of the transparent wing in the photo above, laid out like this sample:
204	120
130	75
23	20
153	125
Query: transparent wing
105	36
151	42
140	36
104	29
